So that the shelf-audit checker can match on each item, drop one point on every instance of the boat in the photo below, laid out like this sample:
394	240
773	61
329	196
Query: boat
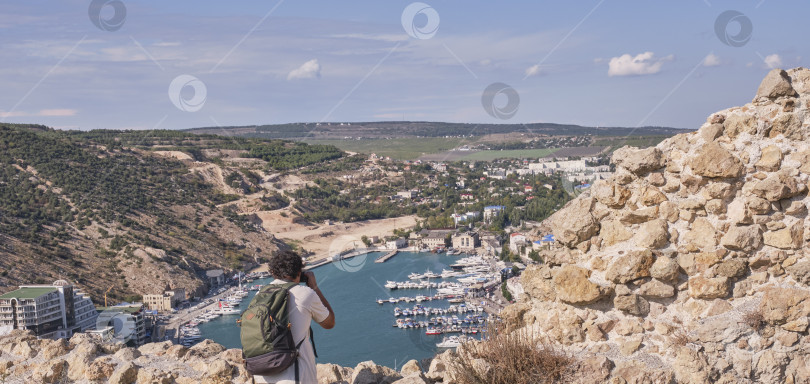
391	284
228	311
449	342
433	331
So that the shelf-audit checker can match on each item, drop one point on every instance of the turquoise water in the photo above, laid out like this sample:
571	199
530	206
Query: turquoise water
363	329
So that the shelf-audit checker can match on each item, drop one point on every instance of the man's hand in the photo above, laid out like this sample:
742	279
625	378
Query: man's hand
311	279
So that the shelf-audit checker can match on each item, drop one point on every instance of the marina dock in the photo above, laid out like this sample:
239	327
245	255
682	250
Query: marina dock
386	256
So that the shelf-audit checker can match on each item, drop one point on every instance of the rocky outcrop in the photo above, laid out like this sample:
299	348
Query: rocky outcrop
691	264
82	359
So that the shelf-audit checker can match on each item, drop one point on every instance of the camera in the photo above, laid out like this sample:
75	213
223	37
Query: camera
304	277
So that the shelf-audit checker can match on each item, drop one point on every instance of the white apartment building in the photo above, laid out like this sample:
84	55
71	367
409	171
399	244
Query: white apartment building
50	311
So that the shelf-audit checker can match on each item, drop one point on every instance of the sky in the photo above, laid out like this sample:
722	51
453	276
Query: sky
149	64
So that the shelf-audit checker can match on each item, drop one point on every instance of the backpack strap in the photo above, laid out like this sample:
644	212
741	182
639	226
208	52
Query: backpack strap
297	354
312	340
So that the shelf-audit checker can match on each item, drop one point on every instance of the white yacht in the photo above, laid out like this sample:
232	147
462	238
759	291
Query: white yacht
450	342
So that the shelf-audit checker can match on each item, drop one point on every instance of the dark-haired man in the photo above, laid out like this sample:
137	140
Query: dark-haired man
306	303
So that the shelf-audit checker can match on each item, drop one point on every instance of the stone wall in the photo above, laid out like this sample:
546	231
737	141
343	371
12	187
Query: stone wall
691	263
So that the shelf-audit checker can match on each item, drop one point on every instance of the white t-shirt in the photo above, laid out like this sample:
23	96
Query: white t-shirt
304	305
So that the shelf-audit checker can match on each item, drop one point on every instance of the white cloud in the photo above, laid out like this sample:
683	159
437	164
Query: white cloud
773	61
642	64
533	70
711	60
309	70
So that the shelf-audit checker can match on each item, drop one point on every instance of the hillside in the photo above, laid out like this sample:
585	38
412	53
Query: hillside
134	211
391	129
690	264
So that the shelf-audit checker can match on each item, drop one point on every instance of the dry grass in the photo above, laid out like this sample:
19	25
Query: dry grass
518	357
754	319
679	338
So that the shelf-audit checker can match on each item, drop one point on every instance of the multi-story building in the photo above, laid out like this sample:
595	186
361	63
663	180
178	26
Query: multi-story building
491	211
396	243
50	311
128	323
466	241
165	301
215	277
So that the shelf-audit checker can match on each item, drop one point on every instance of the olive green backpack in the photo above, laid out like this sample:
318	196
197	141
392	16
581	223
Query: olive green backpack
265	330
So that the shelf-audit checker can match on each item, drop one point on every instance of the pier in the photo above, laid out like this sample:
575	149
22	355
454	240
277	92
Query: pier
386	256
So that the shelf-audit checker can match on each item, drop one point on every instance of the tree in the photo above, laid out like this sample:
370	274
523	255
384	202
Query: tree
365	240
534	255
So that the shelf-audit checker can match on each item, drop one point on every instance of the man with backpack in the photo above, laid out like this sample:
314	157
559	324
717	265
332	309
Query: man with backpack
276	325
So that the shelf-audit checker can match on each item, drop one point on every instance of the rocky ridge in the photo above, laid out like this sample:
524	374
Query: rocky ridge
82	359
691	263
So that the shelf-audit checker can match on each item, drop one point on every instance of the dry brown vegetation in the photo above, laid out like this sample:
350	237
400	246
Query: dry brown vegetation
680	338
754	319
519	357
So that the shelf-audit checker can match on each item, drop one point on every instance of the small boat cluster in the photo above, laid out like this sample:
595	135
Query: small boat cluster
418	285
189	335
420	298
444	324
419	310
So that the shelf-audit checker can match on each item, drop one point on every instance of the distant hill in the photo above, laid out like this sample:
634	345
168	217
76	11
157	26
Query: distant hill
402	129
134	211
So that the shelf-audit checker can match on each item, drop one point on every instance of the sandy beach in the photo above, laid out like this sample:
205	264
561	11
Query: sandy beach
323	240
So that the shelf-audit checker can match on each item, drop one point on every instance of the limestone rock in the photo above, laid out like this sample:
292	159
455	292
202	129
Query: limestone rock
740	123
630	266
639	215
411	367
782	305
665	269
708	288
737	212
776	84
333	374
652	234
413	379
52	371
656	289
632	304
99	369
796	208
800	272
778	186
613	232
537	284
639	161
125	374
803	158
771	159
691	367
612	195
219	371
712	160
369	373
205	349
650	195
573	287
574	223
747	238
787	238
439	367
630	345
732	268
701	235
711	131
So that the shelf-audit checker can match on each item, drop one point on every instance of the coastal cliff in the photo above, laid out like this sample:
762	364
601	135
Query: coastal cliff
691	263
